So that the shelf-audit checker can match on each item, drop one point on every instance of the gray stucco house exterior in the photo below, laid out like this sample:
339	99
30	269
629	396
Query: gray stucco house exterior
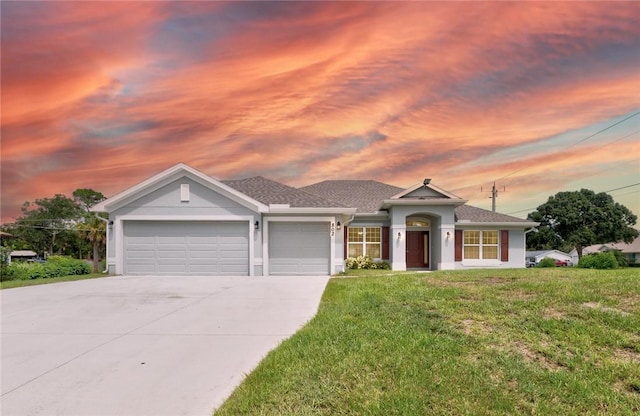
184	222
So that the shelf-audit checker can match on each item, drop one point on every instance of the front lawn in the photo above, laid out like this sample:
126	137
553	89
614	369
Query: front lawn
491	342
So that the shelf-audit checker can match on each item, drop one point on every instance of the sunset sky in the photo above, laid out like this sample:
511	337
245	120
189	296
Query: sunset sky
539	97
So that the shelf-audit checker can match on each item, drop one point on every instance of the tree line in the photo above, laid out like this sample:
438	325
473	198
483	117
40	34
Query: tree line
60	225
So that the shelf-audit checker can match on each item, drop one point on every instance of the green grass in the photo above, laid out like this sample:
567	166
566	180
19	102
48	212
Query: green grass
9	284
491	342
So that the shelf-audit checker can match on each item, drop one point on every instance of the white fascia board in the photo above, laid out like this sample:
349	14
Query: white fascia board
377	214
430	186
518	225
333	211
424	202
163	178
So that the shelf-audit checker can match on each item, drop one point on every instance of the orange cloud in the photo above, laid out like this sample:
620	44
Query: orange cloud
103	95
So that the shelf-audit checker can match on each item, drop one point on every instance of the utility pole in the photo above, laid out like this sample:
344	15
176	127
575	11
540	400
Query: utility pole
494	195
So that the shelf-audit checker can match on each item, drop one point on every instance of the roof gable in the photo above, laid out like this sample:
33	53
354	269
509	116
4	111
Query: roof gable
425	190
170	175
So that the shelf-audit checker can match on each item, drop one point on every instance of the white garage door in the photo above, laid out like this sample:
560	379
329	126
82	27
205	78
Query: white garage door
186	248
299	248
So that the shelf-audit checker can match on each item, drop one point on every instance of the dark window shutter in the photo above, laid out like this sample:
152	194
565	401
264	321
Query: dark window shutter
458	245
385	243
504	245
346	241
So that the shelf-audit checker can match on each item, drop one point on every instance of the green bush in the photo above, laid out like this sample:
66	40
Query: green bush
620	258
547	262
606	260
365	262
55	266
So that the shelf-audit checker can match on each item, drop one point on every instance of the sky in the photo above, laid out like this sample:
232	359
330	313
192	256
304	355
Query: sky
538	97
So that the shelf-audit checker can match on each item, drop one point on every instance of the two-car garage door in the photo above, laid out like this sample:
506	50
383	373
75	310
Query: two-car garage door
186	248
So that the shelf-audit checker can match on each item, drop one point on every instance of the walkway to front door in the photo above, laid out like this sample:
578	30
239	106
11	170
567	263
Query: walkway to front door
417	249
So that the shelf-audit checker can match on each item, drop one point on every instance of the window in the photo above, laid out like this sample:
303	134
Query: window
480	245
364	241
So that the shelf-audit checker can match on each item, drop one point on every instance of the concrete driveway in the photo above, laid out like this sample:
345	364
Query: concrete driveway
143	345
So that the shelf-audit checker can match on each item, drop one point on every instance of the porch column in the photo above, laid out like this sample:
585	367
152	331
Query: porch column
447	244
398	243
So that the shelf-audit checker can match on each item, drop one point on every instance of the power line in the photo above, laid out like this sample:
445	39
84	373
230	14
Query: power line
623	187
610	190
42	227
579	141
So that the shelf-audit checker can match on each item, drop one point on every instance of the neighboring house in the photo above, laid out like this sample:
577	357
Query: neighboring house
536	256
22	255
184	222
631	250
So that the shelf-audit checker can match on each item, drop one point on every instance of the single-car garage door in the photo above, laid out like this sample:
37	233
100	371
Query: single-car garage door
186	248
299	248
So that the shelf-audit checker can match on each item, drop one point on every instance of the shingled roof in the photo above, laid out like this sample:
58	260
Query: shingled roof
468	213
365	195
271	192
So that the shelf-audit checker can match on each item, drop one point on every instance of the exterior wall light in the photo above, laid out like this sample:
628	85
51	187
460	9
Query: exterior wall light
257	225
399	235
338	226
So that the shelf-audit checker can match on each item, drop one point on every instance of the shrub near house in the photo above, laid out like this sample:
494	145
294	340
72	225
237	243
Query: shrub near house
55	266
365	262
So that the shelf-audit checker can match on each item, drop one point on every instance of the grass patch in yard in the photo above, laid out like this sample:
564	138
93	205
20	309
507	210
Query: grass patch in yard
34	282
484	342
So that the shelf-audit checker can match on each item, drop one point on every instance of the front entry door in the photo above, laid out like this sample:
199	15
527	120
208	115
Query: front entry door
417	249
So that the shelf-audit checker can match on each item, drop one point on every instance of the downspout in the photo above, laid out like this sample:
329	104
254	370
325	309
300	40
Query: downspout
535	230
106	251
350	220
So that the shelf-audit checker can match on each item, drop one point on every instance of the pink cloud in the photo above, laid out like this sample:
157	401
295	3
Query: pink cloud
104	95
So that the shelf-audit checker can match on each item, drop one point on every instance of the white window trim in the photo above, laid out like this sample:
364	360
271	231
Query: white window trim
480	261
364	240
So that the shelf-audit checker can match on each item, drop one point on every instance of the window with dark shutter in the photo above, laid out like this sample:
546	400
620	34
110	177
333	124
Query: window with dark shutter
346	241
385	243
458	245
504	245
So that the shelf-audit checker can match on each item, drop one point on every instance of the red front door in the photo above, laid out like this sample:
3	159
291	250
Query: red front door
417	249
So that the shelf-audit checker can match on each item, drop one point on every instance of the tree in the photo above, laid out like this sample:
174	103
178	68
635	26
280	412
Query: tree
51	224
93	230
86	198
48	224
582	218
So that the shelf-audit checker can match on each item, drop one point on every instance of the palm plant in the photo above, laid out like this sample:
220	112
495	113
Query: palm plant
94	231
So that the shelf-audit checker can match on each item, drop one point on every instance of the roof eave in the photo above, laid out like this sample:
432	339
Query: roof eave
388	203
381	214
311	210
514	224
